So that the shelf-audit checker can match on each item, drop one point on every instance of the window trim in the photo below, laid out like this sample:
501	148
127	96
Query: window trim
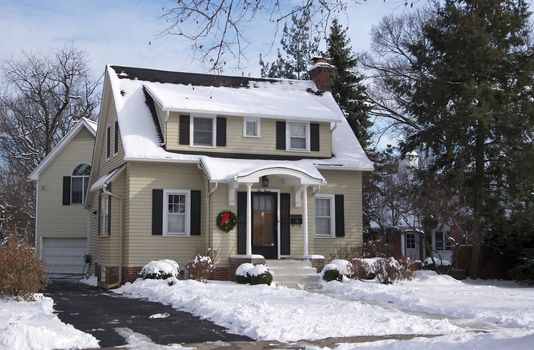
288	136
85	178
103	206
213	118
332	199
444	241
166	193
258	127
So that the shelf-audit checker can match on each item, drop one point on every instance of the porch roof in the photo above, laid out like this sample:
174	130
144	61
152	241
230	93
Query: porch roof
251	170
105	180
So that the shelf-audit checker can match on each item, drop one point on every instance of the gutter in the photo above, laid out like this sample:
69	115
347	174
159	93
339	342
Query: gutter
119	198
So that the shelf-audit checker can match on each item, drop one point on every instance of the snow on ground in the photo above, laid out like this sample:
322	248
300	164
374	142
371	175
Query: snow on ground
137	341
90	281
33	325
279	313
506	304
505	339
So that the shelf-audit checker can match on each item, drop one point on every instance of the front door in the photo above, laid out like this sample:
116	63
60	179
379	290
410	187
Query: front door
264	224
412	246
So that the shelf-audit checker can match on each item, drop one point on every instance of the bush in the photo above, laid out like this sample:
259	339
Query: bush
21	273
248	273
332	275
160	269
389	270
523	271
361	269
346	252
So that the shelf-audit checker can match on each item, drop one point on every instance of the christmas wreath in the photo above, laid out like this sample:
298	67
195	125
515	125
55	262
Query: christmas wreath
226	220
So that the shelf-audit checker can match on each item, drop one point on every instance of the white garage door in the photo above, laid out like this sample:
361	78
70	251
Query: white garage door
64	255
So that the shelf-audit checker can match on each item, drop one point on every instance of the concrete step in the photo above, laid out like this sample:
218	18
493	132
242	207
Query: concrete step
287	262
290	270
296	278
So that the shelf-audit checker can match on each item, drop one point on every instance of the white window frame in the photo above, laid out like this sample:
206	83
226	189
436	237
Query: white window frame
192	129
288	136
103	215
330	197
85	178
258	127
445	237
165	210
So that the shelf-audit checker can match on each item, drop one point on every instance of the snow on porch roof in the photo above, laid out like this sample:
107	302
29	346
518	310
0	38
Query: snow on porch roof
105	180
230	170
236	96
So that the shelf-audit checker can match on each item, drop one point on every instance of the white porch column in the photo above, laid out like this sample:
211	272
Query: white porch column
305	219
249	220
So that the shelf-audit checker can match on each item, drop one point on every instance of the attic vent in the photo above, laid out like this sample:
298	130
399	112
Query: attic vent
123	92
315	92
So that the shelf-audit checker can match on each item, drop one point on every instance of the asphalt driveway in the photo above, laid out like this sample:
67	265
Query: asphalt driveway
99	312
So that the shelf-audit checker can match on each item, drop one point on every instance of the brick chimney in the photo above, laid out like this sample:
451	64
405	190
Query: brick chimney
321	72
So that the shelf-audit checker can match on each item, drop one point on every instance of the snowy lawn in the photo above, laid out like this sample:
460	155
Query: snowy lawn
506	304
279	313
33	325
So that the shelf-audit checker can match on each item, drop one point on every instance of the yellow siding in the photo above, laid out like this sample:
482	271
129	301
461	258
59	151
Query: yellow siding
116	159
142	246
55	219
236	143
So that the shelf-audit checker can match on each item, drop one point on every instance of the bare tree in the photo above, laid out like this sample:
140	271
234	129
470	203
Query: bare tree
43	97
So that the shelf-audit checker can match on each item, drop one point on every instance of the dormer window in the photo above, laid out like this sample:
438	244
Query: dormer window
298	136
203	131
251	127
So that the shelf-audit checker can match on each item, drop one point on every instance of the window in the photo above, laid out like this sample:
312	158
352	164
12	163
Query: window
441	241
78	183
410	240
108	142
298	136
176	218
116	138
203	131
103	214
251	127
324	216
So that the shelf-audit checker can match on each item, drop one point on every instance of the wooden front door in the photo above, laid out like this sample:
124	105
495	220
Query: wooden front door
264	224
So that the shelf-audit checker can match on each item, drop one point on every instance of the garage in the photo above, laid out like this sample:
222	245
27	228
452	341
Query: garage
64	255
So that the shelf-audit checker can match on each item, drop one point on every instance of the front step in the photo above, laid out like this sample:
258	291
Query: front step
293	273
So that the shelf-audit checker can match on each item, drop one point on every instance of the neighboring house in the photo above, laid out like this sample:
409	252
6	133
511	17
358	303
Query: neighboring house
175	149
61	181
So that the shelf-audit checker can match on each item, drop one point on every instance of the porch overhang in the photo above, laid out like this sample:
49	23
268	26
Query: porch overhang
105	180
292	176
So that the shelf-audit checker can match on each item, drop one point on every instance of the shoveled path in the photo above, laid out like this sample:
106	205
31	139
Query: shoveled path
99	312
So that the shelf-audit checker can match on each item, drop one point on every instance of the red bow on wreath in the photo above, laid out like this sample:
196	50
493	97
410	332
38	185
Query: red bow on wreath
225	217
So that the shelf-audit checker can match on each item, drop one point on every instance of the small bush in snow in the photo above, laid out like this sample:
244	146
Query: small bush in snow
202	265
21	273
390	271
332	275
253	274
160	269
361	269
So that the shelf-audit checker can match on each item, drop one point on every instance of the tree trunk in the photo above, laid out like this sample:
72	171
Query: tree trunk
478	187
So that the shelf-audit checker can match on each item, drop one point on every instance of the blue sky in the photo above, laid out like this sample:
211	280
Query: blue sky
126	32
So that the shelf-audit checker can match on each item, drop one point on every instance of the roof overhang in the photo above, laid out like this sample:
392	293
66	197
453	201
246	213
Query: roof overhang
105	180
290	174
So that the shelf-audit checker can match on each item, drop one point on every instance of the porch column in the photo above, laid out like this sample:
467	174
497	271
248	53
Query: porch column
249	220
305	218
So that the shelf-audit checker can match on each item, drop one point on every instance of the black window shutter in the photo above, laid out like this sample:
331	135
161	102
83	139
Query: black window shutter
314	137
184	130
99	212
195	213
157	212
66	190
108	142
285	205
221	131
116	138
241	222
281	135
340	215
109	215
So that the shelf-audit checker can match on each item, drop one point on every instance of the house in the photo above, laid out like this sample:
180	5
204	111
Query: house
61	181
180	155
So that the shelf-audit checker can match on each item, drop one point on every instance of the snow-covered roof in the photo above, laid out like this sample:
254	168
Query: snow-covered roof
105	180
82	123
140	137
228	170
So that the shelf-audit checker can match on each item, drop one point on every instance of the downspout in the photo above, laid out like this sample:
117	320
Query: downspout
162	144
208	198
119	198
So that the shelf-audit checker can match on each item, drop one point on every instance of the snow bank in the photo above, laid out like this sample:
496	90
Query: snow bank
437	260
503	303
90	281
283	314
33	325
503	339
165	267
